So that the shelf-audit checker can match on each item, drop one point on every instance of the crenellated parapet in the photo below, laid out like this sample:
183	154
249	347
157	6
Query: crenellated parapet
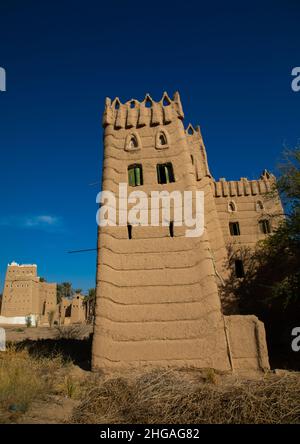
134	114
244	187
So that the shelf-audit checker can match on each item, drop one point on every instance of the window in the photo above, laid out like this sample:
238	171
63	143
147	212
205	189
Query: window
165	173
239	268
171	229
234	228
132	143
264	226
162	139
129	230
231	207
259	205
135	175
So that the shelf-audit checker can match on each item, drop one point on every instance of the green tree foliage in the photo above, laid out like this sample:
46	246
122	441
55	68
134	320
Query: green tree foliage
64	290
90	303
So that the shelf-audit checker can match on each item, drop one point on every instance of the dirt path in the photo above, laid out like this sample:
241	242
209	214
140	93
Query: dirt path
53	410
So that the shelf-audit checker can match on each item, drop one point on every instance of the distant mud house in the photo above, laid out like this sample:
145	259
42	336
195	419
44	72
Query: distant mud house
158	298
27	295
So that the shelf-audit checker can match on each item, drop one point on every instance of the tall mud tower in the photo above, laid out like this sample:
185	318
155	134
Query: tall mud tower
157	290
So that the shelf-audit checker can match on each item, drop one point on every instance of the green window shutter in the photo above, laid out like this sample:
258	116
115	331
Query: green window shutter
137	171
131	177
167	173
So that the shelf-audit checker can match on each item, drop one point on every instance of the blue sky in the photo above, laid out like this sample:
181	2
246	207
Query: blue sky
230	61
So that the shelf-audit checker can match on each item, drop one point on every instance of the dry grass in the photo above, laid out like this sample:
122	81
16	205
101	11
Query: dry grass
169	397
158	396
24	378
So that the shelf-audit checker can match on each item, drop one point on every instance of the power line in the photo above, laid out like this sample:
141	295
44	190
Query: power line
82	251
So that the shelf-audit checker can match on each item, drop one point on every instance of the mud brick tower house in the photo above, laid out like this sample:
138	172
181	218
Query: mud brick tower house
158	298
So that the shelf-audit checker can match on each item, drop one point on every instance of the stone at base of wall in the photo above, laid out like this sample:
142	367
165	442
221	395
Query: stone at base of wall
247	343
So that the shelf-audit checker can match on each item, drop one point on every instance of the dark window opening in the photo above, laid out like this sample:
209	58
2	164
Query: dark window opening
117	104
192	159
148	103
232	206
259	205
135	175
165	173
234	228
133	143
132	104
171	229
162	139
239	268
264	226
129	229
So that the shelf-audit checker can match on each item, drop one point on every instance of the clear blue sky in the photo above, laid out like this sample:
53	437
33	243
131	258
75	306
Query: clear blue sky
230	61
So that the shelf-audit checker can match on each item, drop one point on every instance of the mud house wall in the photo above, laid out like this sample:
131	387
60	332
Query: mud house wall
247	198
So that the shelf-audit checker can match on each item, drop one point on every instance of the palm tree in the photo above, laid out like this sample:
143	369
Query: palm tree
64	290
90	302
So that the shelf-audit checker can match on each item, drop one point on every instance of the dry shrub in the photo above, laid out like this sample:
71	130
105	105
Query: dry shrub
73	331
168	397
23	378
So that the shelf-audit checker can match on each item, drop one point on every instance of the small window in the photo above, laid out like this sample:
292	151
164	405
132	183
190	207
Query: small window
239	268
135	175
162	139
132	143
192	159
129	230
165	173
259	205
231	207
264	226
234	228
171	229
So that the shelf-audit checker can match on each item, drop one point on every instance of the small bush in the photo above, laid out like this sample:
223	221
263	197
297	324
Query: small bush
28	321
74	331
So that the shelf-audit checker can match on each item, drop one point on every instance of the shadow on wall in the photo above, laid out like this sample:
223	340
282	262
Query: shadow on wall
79	351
